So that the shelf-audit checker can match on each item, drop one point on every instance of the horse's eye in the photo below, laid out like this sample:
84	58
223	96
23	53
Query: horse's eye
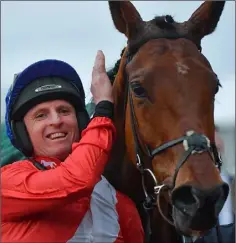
169	19
138	90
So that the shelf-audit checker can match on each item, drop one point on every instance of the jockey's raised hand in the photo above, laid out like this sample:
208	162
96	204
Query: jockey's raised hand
101	87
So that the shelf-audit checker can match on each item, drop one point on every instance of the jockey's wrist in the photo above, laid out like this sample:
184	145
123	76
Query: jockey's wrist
104	108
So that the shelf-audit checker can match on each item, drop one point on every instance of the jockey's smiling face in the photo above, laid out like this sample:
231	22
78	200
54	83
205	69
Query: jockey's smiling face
52	127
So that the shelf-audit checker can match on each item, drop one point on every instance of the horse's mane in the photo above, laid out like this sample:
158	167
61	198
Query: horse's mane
113	71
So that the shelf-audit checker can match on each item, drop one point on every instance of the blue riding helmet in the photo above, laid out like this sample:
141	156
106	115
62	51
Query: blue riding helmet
42	81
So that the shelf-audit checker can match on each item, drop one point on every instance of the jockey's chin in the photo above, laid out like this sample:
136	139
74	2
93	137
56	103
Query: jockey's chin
195	225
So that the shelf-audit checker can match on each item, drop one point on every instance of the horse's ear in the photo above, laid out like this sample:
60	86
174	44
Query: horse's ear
205	19
125	17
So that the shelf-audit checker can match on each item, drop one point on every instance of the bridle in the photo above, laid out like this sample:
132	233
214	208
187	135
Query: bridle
192	143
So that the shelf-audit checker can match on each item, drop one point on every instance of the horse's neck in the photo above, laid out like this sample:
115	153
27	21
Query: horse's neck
122	174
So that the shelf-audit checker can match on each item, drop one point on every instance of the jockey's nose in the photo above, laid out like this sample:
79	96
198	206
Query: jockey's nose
192	201
55	118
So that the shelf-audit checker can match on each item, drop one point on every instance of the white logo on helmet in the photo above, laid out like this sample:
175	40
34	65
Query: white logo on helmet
48	87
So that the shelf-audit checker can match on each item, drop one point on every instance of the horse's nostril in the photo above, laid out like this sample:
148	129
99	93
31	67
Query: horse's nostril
191	200
184	200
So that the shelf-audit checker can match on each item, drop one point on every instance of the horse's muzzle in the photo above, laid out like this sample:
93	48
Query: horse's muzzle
198	209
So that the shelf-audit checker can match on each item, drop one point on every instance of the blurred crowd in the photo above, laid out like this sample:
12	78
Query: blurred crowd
228	211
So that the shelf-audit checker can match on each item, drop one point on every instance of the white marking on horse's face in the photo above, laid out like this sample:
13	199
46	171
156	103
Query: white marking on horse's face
182	68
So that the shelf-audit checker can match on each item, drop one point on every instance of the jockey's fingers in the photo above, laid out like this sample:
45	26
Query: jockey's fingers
99	64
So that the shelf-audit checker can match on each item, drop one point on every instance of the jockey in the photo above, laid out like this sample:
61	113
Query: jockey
58	194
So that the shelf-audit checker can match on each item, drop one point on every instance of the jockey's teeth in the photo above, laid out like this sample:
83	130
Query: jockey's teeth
57	135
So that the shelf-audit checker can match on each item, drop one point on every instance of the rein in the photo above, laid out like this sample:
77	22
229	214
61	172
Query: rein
192	143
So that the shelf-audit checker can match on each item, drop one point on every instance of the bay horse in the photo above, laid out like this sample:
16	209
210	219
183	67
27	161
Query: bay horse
165	157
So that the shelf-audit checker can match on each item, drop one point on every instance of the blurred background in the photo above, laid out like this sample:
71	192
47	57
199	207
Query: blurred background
74	31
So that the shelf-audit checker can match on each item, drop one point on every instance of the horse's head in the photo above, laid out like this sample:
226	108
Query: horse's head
167	88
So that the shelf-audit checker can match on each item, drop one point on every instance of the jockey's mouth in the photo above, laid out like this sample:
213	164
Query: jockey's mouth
57	135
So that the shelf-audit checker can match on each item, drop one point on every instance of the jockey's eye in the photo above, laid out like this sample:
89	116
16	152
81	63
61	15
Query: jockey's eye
138	90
